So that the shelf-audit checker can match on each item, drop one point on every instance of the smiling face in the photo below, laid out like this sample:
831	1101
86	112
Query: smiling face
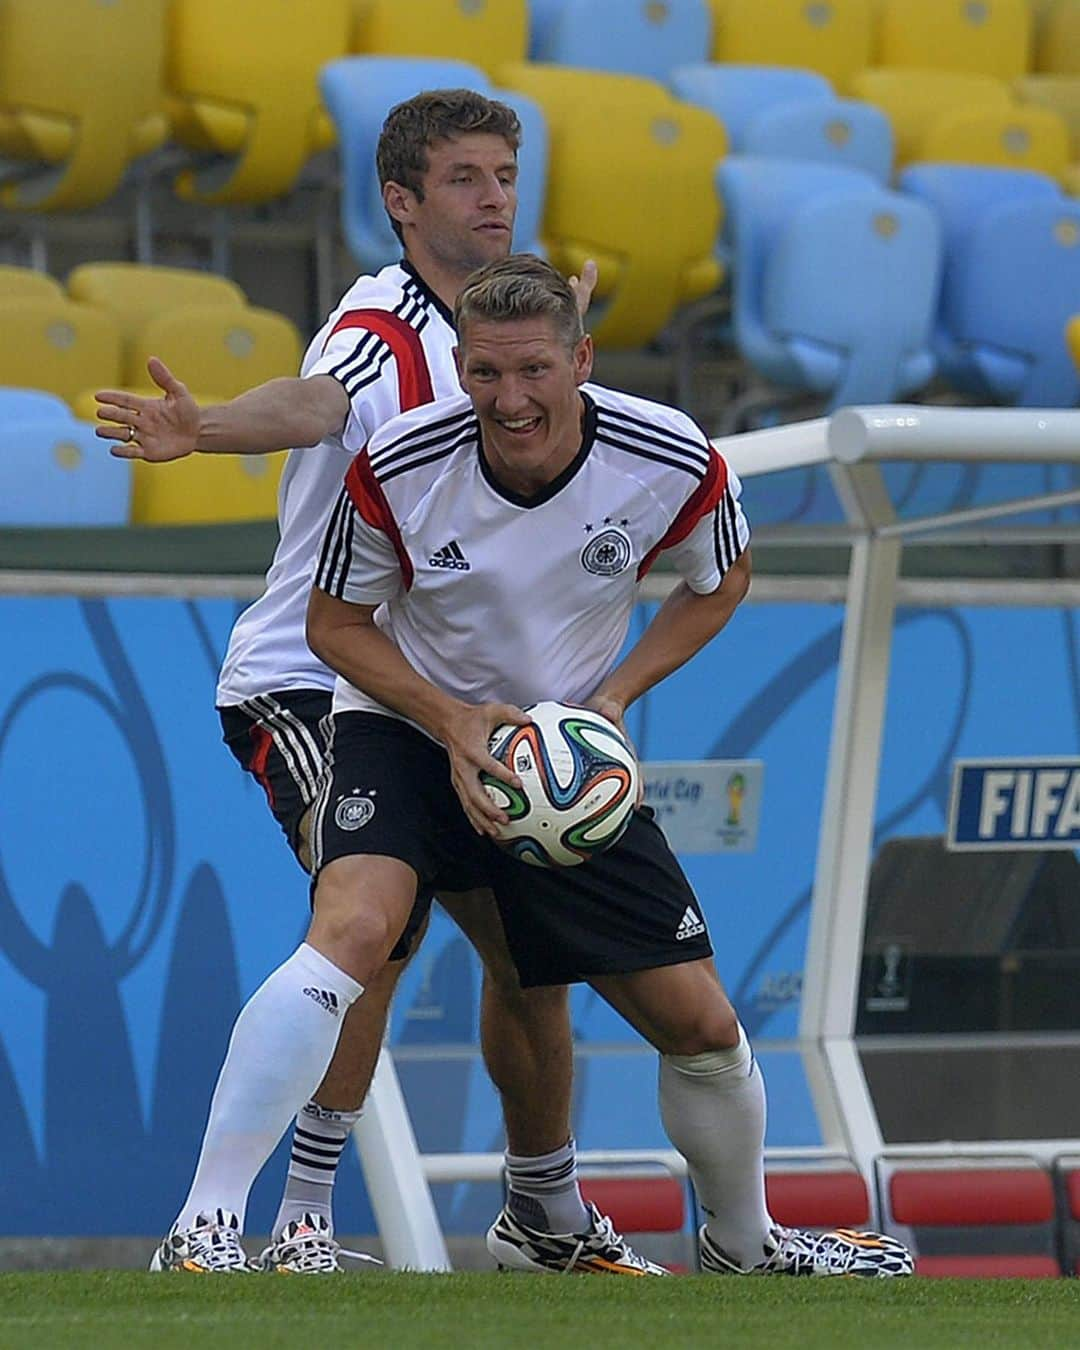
524	378
463	216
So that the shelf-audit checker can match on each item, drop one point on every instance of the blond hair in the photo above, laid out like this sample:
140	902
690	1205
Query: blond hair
520	286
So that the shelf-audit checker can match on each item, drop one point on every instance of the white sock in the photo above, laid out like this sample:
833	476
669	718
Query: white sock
319	1137
281	1047
544	1191
713	1108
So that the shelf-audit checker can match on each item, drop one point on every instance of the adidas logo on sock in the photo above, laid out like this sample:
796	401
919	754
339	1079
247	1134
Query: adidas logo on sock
690	925
450	556
325	998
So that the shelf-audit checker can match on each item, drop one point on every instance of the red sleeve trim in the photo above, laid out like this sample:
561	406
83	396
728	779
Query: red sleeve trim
367	496
704	499
414	378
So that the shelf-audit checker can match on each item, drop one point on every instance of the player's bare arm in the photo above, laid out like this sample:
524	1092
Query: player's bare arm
683	624
346	637
281	414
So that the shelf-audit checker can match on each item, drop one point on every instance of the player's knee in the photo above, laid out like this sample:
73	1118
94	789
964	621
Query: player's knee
708	1029
349	926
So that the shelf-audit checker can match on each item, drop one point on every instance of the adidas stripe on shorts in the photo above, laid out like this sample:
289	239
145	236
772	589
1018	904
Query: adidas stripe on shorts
632	908
281	739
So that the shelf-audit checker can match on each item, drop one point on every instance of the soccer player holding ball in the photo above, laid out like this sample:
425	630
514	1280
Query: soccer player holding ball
553	496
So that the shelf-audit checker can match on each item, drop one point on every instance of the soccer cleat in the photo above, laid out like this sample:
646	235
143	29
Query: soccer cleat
211	1246
306	1246
792	1251
599	1251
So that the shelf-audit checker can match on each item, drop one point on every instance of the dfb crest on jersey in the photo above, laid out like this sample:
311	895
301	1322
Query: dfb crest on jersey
608	553
353	813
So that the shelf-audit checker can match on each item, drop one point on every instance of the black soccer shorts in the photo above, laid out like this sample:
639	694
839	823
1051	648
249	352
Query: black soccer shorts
389	793
281	739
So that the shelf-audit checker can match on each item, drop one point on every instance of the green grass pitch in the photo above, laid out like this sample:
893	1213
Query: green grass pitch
128	1310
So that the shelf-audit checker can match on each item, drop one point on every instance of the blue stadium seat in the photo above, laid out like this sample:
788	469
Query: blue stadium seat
850	293
532	170
23	404
760	197
1018	287
542	17
54	471
359	91
962	195
740	95
639	39
837	131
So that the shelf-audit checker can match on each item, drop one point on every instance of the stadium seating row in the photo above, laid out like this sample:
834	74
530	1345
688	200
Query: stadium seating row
236	86
845	289
99	335
968	1217
656	149
842	290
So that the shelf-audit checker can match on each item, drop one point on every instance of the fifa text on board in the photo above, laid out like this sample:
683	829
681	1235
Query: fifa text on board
1015	804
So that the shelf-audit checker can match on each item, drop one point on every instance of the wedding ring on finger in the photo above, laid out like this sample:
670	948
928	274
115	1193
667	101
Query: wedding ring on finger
130	436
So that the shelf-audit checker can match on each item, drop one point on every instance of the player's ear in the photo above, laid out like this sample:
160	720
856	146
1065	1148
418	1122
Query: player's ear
583	359
398	200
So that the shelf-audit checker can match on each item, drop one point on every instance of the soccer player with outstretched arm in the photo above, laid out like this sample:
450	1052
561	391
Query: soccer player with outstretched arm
447	163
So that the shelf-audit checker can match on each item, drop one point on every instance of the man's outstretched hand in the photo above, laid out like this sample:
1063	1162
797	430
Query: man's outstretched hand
154	429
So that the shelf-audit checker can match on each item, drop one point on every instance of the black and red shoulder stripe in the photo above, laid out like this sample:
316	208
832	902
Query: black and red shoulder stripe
414	377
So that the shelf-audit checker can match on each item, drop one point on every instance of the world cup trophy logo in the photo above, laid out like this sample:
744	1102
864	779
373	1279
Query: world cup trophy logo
736	793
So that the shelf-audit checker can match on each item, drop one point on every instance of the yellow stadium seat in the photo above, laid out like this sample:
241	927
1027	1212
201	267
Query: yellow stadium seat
981	37
1057	41
215	347
485	35
135	293
243	89
834	37
1059	93
218	352
55	344
1072	336
913	100
19	283
80	97
1014	138
718	13
630	183
205	489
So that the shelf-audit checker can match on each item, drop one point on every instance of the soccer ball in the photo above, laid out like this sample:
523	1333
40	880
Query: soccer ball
579	783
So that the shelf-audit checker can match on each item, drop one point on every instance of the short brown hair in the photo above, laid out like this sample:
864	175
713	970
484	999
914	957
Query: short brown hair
521	286
413	127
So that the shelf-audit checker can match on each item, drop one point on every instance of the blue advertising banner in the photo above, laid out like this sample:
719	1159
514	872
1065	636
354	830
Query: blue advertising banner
145	890
1015	804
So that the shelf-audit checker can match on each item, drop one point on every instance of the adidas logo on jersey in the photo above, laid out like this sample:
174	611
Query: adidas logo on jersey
450	556
325	998
690	925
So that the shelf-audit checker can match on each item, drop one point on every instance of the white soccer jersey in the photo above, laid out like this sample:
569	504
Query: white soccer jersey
390	343
492	596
